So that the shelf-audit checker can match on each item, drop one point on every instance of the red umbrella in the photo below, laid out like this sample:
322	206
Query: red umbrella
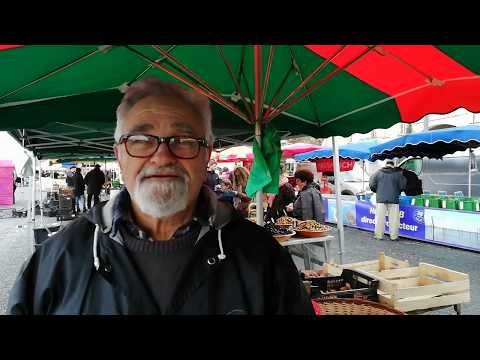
289	151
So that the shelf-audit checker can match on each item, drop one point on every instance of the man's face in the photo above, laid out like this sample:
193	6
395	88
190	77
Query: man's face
163	184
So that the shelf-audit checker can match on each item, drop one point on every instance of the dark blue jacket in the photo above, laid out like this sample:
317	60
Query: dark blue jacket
257	276
388	183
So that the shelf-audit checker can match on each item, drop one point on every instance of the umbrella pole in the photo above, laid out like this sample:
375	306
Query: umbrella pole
257	55
336	173
40	202
470	160
363	176
34	165
259	194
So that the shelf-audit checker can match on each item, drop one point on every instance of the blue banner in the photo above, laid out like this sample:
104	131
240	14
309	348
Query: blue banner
412	222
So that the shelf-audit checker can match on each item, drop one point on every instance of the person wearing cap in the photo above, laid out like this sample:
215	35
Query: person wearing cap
165	244
94	180
388	182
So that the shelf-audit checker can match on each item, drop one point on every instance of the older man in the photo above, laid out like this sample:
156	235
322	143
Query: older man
165	244
388	183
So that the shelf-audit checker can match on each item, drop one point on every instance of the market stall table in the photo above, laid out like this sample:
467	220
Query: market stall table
323	241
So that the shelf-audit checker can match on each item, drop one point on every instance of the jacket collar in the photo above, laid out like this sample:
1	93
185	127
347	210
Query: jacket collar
209	212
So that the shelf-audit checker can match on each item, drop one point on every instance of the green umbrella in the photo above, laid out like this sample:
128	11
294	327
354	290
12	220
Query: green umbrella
356	87
318	90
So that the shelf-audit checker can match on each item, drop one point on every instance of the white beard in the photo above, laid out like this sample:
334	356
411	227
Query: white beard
161	198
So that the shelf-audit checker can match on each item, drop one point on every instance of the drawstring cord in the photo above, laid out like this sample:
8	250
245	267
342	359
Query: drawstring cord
96	260
222	255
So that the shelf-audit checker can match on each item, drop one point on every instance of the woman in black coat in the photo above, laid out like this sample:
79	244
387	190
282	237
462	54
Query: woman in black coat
309	203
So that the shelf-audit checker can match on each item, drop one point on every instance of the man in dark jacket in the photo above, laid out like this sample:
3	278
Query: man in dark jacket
388	183
70	174
309	203
79	190
164	244
94	180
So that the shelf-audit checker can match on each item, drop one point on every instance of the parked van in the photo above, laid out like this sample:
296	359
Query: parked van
449	174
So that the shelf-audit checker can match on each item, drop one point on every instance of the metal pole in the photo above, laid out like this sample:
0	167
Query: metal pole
40	198
470	160
257	55
336	173
259	194
34	165
363	176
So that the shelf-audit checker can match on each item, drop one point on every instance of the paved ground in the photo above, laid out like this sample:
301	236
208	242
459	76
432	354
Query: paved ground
16	239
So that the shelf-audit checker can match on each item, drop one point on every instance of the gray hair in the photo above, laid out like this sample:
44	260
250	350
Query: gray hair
152	86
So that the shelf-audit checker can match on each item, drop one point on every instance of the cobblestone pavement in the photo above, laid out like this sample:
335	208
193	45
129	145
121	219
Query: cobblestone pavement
16	245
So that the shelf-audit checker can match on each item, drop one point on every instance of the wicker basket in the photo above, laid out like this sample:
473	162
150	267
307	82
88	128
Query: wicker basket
354	307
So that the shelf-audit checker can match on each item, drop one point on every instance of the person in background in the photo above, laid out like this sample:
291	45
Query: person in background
239	184
278	204
388	183
212	179
309	203
226	174
225	191
79	191
69	178
94	180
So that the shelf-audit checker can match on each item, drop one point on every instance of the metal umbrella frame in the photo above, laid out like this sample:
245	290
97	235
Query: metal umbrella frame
364	86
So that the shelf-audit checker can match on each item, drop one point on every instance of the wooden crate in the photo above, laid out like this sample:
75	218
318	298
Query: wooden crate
423	287
383	263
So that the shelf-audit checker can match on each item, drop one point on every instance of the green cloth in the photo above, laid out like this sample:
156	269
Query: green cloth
265	172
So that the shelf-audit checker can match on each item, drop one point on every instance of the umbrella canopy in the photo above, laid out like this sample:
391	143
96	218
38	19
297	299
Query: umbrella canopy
289	151
244	153
432	144
357	151
319	90
236	153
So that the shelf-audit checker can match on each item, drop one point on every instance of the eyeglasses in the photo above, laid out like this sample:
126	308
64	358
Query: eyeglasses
144	145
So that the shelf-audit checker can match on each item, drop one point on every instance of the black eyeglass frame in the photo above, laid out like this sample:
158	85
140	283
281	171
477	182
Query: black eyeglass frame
161	140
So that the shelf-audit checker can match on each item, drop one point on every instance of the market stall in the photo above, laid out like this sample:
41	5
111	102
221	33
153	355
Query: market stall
443	226
7	169
296	88
447	219
349	154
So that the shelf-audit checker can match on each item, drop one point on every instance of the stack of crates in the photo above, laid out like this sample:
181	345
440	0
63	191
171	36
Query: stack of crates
65	204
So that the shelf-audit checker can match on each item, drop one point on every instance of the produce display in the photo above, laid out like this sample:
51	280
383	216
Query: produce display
312	225
276	230
286	221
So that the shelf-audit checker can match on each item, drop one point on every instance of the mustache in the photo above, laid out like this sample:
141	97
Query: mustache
164	170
